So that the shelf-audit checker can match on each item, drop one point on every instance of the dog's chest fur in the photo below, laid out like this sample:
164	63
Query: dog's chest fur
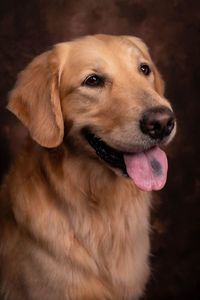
94	241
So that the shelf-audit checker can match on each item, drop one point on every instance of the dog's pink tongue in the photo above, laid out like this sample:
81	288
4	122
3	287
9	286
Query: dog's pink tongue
147	169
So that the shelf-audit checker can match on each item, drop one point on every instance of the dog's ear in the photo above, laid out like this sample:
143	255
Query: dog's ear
35	100
159	83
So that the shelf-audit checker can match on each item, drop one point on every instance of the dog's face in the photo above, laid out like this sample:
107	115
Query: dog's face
104	89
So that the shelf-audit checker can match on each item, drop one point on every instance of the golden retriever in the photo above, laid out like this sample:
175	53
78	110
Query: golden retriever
74	221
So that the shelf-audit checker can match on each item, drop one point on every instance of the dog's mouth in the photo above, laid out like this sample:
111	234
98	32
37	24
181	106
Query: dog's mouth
148	169
111	156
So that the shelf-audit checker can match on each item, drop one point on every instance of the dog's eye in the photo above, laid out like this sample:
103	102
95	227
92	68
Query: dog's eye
94	81
145	69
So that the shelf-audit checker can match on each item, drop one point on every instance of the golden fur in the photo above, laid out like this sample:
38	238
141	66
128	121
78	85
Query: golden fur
71	227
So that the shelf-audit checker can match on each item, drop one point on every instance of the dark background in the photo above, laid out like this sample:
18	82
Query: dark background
171	30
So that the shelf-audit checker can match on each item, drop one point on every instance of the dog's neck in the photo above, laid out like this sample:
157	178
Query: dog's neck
85	189
69	172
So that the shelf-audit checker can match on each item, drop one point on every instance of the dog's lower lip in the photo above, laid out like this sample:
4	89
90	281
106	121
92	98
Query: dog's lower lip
110	155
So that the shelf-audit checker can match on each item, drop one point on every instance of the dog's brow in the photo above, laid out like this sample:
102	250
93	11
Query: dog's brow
97	66
133	49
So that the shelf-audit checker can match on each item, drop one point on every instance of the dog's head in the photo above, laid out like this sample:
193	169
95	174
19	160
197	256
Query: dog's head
102	94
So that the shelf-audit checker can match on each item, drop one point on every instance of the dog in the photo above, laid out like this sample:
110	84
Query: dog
75	204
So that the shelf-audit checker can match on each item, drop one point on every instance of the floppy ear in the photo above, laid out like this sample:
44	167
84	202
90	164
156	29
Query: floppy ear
35	100
158	81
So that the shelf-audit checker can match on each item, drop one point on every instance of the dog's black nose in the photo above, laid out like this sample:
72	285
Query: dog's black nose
157	122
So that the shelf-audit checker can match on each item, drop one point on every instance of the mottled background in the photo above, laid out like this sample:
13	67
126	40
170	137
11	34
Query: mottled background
171	29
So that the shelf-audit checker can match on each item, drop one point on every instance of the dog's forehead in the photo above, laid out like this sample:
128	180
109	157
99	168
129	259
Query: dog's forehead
107	46
101	51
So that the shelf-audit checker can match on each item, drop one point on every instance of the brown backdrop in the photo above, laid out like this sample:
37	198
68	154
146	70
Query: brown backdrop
171	29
